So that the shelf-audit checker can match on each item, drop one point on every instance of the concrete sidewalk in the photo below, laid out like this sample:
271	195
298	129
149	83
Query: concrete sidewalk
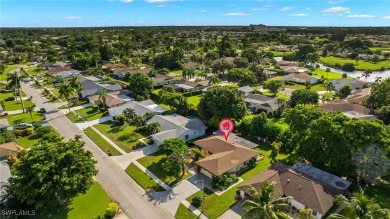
65	111
85	125
194	210
124	160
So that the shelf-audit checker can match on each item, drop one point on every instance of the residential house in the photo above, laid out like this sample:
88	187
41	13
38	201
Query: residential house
247	90
263	61
237	139
256	102
301	78
160	79
188	86
359	96
270	74
286	63
308	186
2	111
3	122
223	156
355	84
61	73
295	69
5	174
8	148
176	126
140	108
51	65
348	109
37	59
195	65
113	99
90	88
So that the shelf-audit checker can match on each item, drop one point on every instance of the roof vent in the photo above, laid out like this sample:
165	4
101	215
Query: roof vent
300	187
288	180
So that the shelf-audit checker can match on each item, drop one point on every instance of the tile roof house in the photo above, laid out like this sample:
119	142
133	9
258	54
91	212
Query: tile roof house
8	148
140	108
113	99
286	63
246	89
176	126
187	86
359	96
301	78
195	65
91	88
3	122
294	69
309	187
348	109
223	156
355	84
160	79
5	174
257	102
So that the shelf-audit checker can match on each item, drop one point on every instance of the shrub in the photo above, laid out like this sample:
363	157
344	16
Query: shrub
251	163
120	120
18	133
327	70
37	125
41	131
196	201
112	209
224	181
28	132
170	168
348	67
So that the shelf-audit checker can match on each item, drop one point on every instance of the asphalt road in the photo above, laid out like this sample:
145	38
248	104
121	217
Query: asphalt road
112	178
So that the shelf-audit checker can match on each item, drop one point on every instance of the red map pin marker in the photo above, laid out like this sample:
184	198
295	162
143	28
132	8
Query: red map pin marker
226	126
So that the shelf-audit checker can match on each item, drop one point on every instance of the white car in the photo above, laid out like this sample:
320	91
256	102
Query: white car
23	126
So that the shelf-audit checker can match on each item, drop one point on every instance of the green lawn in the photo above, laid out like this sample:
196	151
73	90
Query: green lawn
156	91
380	193
295	86
56	92
183	213
274	78
279	94
142	178
32	140
216	205
16	105
327	75
34	73
90	114
101	142
24	118
117	134
277	53
318	87
153	163
194	100
89	205
73	117
280	122
379	48
362	65
4	76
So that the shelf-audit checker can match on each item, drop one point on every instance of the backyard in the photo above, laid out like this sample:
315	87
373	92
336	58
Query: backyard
17	105
142	178
88	114
101	142
153	163
194	100
124	136
80	207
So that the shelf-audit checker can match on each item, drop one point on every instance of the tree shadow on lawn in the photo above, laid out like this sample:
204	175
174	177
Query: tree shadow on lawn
170	180
54	212
115	128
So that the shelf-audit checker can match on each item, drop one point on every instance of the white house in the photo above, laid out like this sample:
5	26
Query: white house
257	102
140	108
301	78
176	126
355	84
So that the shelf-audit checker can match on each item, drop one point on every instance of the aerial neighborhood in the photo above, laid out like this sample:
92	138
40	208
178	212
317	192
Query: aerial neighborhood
126	121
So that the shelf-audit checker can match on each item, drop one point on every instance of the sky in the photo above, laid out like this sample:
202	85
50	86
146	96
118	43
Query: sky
97	13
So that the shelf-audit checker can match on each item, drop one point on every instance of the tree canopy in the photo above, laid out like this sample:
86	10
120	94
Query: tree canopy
241	76
303	96
141	84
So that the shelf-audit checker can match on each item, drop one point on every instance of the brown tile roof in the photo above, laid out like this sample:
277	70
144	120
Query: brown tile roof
359	94
7	148
302	76
56	70
304	189
344	106
112	99
224	155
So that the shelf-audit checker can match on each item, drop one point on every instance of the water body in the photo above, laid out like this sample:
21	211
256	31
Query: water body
355	74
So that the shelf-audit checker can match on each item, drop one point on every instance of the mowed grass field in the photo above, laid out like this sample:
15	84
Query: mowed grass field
361	65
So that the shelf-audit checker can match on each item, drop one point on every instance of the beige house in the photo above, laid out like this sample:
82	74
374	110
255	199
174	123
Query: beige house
223	156
308	186
8	148
301	78
359	96
348	109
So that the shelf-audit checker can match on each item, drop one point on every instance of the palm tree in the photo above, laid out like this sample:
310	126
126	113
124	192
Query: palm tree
367	74
153	127
281	101
181	157
30	109
14	82
264	204
75	84
359	206
378	80
66	91
103	95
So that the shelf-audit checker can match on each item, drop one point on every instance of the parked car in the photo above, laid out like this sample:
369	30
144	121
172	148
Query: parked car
9	99
42	110
73	99
56	85
23	126
26	80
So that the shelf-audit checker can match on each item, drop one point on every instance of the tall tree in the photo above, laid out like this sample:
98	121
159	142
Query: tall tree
29	110
380	95
141	84
66	91
176	101
241	76
54	172
366	74
220	102
264	204
14	82
303	96
359	206
76	85
181	157
274	85
102	96
214	80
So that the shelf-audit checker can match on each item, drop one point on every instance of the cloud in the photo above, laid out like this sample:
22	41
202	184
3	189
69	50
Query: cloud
308	9
336	9
299	15
285	9
266	7
386	17
203	11
158	1
160	6
126	1
360	16
73	17
236	14
335	1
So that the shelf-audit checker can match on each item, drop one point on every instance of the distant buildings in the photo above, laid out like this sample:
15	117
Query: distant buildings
348	109
264	29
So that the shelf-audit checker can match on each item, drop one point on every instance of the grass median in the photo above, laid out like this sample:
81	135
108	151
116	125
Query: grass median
142	178
101	142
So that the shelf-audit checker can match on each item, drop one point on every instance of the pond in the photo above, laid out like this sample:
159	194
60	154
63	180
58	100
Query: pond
355	74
